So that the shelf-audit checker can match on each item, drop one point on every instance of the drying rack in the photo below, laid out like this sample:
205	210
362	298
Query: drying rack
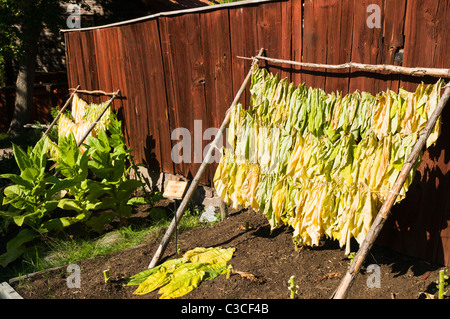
383	212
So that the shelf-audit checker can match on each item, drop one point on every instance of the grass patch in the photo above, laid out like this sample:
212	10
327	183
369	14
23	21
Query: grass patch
69	249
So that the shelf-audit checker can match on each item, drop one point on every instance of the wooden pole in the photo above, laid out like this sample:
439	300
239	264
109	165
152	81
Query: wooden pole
96	92
445	73
200	172
383	213
60	112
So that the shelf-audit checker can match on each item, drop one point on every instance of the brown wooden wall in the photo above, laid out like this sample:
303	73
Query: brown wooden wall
174	69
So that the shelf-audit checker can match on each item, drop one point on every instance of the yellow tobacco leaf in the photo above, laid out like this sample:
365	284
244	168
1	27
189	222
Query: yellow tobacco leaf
154	281
211	255
184	281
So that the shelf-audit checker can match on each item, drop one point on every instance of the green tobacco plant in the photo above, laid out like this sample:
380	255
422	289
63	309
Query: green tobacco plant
83	192
109	158
30	199
95	180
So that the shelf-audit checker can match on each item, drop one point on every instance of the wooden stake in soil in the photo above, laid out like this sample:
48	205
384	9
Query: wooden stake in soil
383	213
201	171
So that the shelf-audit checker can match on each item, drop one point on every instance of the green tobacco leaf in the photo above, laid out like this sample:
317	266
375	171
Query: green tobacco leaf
16	246
70	204
16	195
137	201
38	155
22	159
209	255
59	223
127	187
97	223
157	214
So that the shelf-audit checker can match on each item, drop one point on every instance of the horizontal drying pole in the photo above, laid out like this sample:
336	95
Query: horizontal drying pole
95	92
416	71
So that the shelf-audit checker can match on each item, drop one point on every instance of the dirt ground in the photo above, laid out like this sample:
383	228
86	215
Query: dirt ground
270	257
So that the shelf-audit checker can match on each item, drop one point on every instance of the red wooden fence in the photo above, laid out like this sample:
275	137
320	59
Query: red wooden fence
179	67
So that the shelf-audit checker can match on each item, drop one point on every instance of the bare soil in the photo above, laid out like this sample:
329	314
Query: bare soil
270	258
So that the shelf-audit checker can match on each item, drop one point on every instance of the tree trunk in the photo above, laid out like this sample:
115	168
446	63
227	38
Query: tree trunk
25	80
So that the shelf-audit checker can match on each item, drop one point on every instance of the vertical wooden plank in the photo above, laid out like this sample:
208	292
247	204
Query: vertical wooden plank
135	89
157	145
103	60
184	64
367	48
394	21
286	38
119	70
315	40
89	64
78	60
426	42
243	43
215	37
268	32
339	28
297	38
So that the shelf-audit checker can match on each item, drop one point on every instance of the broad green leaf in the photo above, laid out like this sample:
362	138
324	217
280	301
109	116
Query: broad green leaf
16	246
137	201
58	223
22	159
16	179
209	255
97	223
39	153
157	214
30	174
16	195
70	204
19	219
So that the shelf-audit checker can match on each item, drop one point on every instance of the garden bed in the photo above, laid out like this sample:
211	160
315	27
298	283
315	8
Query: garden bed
270	257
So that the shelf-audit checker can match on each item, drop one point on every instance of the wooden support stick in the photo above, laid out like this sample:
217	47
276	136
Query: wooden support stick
60	112
96	92
445	73
200	172
383	213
